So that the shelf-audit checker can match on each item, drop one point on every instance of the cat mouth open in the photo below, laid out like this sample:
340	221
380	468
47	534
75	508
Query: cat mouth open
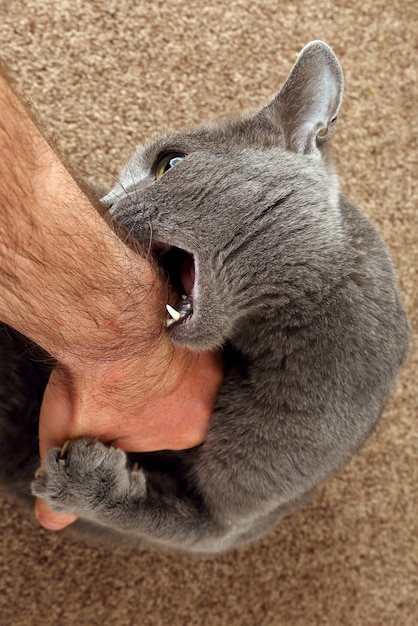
179	267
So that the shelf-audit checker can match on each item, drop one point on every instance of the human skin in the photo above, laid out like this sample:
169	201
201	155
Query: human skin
87	296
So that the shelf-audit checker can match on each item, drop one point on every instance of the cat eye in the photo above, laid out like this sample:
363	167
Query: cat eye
166	162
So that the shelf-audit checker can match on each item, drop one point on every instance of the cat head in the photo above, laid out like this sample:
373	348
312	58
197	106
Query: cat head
243	215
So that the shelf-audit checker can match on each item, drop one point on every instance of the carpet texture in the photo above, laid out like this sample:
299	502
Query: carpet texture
107	74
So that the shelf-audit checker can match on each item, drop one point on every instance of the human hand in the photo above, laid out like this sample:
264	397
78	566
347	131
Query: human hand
118	404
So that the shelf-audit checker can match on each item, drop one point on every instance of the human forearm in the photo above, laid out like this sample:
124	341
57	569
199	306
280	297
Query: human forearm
51	237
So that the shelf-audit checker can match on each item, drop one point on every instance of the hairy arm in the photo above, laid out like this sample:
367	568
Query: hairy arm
97	306
60	261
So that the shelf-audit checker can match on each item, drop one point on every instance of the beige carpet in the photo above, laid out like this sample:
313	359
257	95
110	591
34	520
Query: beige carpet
106	74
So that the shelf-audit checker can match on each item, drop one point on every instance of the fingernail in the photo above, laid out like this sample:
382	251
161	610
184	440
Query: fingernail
56	522
50	520
51	524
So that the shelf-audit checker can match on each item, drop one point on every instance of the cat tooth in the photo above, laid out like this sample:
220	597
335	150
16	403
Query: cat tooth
170	322
186	307
173	313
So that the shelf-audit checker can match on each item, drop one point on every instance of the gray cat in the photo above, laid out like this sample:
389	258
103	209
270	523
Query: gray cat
273	264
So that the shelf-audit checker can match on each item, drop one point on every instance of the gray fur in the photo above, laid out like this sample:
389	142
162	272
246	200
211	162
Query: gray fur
299	289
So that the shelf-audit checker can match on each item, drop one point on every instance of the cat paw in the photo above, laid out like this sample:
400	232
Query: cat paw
85	476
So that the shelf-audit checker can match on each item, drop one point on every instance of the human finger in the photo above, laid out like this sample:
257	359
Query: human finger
50	520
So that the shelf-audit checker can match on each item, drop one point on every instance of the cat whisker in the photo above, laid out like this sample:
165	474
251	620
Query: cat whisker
149	250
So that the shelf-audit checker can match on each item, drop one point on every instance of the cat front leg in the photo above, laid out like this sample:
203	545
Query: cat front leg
93	481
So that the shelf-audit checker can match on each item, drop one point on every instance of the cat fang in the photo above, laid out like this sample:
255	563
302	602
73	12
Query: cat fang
174	314
186	310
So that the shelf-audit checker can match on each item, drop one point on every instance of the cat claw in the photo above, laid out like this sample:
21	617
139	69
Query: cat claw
64	449
39	472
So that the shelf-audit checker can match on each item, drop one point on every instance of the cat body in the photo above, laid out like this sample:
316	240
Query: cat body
277	267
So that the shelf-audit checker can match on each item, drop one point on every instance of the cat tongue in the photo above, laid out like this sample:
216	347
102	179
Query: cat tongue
187	274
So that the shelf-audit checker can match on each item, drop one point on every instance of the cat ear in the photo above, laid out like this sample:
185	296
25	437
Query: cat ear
307	105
